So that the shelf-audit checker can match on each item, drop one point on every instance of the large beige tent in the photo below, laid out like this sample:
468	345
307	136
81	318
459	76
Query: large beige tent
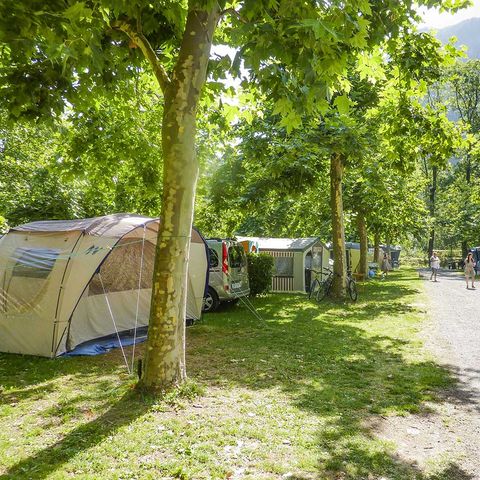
63	283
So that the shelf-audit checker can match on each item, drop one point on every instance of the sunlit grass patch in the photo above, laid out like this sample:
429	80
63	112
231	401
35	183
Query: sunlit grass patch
287	394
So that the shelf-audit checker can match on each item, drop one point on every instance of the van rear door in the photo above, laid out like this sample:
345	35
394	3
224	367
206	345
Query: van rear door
238	270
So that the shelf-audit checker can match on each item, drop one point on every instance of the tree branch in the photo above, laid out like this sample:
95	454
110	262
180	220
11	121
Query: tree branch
149	53
234	13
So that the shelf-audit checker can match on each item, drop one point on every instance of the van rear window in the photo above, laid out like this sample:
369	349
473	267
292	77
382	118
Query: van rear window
213	258
236	256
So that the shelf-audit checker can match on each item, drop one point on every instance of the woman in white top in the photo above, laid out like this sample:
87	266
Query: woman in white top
435	265
385	265
470	269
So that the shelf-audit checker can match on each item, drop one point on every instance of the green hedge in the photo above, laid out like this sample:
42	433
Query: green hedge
3	225
260	270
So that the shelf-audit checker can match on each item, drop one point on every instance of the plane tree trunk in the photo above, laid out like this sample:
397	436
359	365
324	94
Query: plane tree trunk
433	191
468	177
376	247
164	363
362	232
338	229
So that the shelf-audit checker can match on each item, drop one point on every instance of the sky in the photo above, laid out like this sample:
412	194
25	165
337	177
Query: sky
434	19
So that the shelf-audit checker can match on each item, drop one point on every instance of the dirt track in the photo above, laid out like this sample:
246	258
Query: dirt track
449	433
454	338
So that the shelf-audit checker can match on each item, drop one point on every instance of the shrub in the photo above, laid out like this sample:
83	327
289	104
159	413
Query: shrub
260	270
3	225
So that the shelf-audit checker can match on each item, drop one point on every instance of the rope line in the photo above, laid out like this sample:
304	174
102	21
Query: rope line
138	298
243	298
114	323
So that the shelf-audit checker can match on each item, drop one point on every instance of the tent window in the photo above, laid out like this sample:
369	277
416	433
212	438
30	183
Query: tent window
34	262
283	266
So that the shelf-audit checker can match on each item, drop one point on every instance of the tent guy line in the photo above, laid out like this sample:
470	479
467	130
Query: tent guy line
244	299
115	323
138	298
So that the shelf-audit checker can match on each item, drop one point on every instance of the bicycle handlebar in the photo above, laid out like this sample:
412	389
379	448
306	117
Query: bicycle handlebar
323	270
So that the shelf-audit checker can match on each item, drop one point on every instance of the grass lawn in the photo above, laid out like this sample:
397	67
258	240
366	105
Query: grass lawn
288	396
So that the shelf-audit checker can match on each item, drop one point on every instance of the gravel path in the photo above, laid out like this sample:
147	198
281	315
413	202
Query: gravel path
453	335
449	433
455	315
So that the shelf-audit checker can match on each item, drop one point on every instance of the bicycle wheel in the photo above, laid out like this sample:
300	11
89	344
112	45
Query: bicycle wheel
314	287
324	289
352	289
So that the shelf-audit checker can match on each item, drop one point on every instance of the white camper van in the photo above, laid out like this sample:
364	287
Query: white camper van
228	273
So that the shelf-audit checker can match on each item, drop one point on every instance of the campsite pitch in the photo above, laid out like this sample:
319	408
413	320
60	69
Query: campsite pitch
295	395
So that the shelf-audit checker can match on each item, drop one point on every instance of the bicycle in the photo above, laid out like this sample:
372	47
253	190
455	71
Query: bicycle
315	285
352	287
324	287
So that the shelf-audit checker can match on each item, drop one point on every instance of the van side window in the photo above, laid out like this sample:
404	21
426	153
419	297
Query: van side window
236	256
213	258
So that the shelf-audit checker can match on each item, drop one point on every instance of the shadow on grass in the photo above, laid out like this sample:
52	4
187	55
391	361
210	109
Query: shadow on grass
326	360
34	379
24	377
87	435
322	356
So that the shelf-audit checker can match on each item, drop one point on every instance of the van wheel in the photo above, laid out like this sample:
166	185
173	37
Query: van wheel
211	301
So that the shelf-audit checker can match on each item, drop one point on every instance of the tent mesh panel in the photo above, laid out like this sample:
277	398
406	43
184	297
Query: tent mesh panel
121	269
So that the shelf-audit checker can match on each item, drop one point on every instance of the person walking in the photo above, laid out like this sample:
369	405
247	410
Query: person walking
434	265
470	269
385	265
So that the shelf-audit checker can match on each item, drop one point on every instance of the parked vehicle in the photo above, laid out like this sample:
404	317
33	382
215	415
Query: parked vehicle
476	256
228	273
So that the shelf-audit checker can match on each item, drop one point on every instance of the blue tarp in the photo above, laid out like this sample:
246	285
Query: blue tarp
105	344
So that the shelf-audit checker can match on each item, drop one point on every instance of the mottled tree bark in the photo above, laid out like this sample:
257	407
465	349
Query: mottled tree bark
376	247
362	233
468	169
433	191
165	352
338	229
468	177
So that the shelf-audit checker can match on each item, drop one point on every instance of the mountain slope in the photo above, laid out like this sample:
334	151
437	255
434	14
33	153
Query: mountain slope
467	33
